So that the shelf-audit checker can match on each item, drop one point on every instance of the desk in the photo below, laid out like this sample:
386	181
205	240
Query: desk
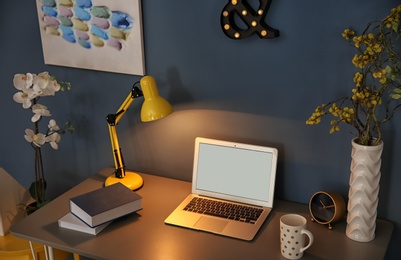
144	235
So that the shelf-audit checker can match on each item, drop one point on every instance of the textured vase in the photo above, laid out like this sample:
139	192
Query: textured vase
363	191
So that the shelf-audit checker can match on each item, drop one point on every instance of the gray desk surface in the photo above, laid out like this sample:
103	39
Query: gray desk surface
144	235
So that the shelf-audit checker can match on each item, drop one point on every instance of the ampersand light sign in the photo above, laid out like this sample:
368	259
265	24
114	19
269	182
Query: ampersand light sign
253	20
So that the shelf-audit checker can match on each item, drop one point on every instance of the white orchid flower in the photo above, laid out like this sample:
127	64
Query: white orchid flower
39	111
25	98
37	139
50	90
54	139
22	81
53	126
41	81
31	87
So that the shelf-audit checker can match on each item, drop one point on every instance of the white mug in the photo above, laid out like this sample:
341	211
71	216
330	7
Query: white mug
292	236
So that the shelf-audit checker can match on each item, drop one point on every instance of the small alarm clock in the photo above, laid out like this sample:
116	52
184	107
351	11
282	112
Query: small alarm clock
327	207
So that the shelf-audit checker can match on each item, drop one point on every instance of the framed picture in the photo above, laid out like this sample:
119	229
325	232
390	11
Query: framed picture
99	35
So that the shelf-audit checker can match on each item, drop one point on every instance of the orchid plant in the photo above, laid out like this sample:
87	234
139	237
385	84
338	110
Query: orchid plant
31	88
376	95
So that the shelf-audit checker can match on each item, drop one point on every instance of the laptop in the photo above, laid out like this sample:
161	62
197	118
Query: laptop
238	176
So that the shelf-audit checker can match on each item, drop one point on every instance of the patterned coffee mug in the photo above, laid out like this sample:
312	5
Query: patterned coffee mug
292	236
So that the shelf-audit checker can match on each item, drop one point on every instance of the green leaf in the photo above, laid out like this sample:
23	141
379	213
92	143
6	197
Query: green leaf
388	69
394	26
396	96
37	190
397	90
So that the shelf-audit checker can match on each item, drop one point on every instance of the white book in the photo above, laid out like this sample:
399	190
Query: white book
70	221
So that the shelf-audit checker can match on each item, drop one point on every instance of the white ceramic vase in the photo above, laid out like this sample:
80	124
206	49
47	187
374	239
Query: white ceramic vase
363	191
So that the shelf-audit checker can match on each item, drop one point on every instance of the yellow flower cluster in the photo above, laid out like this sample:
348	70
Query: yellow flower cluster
360	61
377	81
348	34
358	78
366	97
381	75
316	116
345	114
374	48
371	45
393	20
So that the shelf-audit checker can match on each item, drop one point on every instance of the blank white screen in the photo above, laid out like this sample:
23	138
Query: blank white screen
234	171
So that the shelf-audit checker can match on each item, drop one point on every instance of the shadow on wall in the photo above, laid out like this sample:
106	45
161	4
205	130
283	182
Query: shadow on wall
178	94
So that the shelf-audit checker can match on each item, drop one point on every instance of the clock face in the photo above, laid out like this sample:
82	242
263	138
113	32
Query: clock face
322	207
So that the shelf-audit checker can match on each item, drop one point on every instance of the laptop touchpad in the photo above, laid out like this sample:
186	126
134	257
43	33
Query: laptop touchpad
211	224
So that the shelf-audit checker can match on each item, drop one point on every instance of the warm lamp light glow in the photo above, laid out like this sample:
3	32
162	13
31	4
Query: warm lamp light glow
153	108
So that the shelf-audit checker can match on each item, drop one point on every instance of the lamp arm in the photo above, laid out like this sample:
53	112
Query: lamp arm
117	155
112	120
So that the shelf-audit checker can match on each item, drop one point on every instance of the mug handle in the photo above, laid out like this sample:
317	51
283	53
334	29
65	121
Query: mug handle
310	235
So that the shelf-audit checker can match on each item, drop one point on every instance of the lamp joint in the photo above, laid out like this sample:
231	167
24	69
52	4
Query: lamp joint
119	173
136	92
111	119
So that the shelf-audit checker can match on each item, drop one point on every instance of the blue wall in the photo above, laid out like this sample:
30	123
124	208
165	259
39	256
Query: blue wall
251	90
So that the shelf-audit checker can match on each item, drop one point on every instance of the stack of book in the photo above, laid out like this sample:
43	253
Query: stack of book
93	211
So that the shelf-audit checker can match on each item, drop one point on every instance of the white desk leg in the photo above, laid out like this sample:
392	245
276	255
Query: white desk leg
49	252
32	250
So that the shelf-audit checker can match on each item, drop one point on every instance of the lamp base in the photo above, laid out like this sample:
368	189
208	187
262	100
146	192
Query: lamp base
131	180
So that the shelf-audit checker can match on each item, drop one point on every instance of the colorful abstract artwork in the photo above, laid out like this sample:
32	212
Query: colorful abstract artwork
100	35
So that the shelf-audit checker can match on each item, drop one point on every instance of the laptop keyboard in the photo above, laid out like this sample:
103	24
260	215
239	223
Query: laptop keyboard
227	210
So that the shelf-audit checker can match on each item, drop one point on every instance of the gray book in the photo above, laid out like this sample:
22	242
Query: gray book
105	204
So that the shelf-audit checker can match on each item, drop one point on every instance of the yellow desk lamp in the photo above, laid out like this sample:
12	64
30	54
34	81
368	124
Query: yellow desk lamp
153	108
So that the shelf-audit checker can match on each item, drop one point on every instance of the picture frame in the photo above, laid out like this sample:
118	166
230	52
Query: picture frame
98	35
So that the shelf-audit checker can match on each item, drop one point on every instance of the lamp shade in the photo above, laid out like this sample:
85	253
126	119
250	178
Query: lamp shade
154	106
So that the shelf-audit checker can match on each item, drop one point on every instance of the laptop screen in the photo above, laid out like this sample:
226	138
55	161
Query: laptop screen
234	171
